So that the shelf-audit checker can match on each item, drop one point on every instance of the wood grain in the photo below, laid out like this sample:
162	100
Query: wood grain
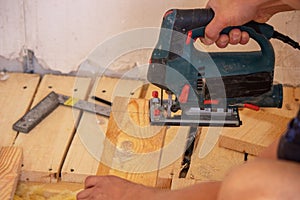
16	95
10	167
86	149
210	162
259	130
180	183
172	155
132	148
45	146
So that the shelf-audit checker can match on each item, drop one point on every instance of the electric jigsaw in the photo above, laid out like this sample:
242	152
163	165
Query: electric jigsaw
208	88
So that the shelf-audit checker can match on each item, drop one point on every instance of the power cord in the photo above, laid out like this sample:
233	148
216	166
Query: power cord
286	39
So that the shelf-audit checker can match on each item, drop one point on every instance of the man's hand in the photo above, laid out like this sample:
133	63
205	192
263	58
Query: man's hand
236	13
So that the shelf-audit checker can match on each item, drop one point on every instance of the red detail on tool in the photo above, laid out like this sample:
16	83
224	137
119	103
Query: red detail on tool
251	106
211	102
183	97
167	13
156	112
189	38
150	61
155	94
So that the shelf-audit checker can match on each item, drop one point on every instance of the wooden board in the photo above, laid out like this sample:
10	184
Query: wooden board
259	130
210	162
132	148
15	98
10	167
53	191
86	149
180	183
172	155
45	146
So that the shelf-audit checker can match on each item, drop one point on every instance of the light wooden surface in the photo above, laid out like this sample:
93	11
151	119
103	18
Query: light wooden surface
10	167
132	148
87	146
16	94
45	146
49	191
261	128
210	161
179	183
172	155
54	151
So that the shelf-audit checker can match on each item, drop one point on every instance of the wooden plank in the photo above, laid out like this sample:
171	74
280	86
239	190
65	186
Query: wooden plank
172	155
259	130
210	162
10	167
180	183
172	151
54	191
15	98
86	149
132	148
45	146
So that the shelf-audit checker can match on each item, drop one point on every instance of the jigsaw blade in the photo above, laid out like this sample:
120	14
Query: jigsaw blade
190	145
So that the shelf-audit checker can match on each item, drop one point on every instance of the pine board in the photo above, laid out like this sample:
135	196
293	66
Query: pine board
16	94
86	149
10	167
132	148
262	128
172	151
210	162
180	183
45	146
259	130
49	191
172	155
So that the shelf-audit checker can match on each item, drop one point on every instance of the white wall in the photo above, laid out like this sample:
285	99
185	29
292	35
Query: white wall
62	33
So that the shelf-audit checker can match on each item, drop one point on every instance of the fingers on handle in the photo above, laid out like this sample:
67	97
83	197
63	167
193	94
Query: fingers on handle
213	29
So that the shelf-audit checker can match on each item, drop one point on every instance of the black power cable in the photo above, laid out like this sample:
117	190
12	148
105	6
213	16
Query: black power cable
286	39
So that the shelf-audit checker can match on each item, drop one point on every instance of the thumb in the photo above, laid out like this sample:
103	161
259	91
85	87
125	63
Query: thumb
213	29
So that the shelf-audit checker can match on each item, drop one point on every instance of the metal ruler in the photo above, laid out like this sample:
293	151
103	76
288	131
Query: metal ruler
34	116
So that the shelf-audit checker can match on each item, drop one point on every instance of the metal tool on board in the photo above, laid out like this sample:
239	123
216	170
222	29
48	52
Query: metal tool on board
34	116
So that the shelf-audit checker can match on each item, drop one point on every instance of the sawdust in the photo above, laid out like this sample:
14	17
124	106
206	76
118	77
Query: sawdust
38	192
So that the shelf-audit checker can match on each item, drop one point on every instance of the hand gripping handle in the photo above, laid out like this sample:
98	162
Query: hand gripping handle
260	32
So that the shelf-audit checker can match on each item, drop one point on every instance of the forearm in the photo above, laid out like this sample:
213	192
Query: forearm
270	151
295	4
266	9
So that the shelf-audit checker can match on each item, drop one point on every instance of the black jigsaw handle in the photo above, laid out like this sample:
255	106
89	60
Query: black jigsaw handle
186	20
